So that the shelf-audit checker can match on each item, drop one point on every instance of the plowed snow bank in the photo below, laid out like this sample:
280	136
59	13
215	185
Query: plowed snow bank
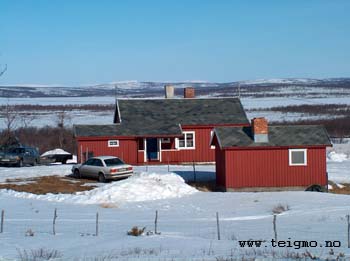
140	187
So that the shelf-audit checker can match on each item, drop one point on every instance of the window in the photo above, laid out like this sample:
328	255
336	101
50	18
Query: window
89	162
187	141
113	162
297	157
211	138
165	140
97	163
113	143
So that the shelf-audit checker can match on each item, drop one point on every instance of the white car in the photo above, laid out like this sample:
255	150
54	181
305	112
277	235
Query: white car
103	168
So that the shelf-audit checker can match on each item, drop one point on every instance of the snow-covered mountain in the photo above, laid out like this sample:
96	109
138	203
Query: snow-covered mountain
155	88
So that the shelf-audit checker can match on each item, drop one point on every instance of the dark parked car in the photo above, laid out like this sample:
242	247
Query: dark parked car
103	168
19	156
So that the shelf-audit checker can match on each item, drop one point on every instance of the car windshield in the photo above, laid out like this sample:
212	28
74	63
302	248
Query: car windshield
113	162
17	150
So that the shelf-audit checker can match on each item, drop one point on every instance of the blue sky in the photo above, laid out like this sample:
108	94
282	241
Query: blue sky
81	42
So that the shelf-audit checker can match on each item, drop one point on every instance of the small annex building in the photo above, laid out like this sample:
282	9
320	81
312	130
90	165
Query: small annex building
262	158
175	130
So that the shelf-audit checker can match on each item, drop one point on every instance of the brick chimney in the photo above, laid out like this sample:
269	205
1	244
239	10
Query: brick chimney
189	92
260	130
169	91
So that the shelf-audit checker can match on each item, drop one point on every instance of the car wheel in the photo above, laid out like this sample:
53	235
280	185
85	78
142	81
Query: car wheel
77	174
35	163
101	178
64	161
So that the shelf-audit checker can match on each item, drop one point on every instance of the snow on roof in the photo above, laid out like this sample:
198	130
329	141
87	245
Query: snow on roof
55	152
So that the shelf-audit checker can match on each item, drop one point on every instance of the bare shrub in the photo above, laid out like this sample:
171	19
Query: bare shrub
29	233
38	254
45	138
280	208
336	127
108	205
135	231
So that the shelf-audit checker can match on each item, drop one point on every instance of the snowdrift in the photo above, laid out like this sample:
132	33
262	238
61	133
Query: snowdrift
140	187
336	157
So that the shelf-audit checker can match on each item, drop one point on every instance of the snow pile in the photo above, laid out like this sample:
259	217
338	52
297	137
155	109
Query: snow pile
140	187
55	152
337	157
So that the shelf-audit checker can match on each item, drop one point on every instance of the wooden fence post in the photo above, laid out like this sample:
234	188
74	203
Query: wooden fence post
156	223
274	226
2	221
218	224
348	218
168	165
54	222
96	234
194	173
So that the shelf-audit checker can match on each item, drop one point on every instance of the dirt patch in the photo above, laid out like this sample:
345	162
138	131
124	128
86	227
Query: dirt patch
48	184
209	186
338	190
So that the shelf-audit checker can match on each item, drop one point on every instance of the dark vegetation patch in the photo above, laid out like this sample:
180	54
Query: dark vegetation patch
208	186
337	127
337	190
48	184
314	109
65	108
45	138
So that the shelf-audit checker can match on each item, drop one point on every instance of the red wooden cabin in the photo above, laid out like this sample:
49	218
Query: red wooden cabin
160	130
261	158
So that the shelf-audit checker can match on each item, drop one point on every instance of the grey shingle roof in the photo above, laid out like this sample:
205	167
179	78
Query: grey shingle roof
125	130
140	117
208	111
287	135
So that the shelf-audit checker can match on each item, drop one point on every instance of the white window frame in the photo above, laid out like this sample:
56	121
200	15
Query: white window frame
177	143
211	138
297	164
165	140
110	145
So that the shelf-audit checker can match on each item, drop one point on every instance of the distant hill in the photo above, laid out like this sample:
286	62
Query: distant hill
254	88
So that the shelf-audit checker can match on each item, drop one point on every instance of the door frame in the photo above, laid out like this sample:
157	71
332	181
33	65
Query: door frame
159	149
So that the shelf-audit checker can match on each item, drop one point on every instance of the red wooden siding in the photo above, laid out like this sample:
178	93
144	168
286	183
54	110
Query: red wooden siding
220	167
201	153
127	149
270	168
131	149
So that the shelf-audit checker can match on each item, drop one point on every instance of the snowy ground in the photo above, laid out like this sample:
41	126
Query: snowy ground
187	217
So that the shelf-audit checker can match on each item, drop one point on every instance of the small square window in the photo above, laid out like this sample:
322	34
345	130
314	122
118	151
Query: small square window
211	138
297	157
113	143
165	140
